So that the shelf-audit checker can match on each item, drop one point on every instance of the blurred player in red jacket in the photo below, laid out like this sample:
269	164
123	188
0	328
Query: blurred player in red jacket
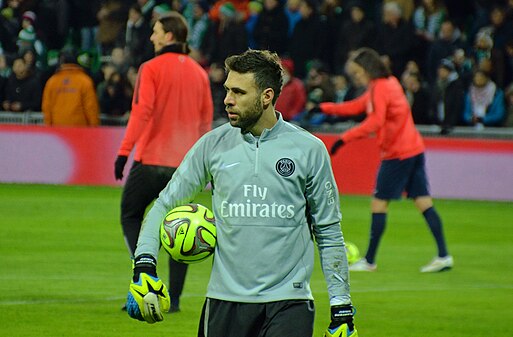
171	109
402	152
292	99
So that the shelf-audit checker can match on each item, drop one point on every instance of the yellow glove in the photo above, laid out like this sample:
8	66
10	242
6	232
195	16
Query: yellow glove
341	331
341	322
148	297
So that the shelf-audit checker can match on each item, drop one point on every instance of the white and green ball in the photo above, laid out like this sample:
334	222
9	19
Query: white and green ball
188	233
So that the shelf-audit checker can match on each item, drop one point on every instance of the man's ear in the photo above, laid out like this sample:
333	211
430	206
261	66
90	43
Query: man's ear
170	37
267	97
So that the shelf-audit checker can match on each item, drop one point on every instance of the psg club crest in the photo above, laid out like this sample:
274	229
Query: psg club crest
285	167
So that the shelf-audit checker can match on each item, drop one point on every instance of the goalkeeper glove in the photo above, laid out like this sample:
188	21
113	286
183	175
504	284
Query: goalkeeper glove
341	322
119	165
148	297
336	146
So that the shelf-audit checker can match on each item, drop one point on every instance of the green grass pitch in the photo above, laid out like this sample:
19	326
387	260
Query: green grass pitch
65	269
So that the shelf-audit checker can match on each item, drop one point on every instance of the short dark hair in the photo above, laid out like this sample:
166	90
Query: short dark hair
68	55
263	64
370	60
175	23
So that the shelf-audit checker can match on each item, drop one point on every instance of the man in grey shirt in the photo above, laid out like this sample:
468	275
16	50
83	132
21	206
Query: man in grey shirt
273	194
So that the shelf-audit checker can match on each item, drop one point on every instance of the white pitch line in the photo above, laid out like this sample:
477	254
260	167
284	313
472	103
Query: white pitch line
364	290
77	300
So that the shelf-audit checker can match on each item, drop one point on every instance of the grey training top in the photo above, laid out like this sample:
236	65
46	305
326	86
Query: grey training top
270	195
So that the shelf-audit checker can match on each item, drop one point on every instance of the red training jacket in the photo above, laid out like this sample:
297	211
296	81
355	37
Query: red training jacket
388	116
171	109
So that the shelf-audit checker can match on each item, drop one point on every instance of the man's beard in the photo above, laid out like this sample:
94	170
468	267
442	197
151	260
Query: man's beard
249	118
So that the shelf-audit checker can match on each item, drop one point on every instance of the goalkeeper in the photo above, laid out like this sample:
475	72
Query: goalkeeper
274	196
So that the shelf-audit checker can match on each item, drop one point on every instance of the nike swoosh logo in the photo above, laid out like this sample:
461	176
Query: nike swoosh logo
225	166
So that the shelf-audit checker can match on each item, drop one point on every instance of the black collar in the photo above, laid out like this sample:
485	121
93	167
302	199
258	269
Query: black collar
179	48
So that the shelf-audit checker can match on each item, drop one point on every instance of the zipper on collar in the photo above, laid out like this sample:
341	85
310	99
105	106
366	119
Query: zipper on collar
257	156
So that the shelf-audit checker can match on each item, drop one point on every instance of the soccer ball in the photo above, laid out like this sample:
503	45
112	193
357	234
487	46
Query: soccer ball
352	252
188	233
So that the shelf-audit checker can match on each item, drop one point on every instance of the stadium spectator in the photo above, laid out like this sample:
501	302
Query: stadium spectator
318	85
484	102
228	35
240	6
293	14
171	110
463	66
412	67
271	28
341	86
442	47
113	95
217	76
407	7
427	20
395	37
482	47
292	100
358	31
35	64
199	24
69	97
250	294
255	8
112	19
27	35
319	88
500	31
22	89
447	97
147	8
137	38
308	41
402	152
488	58
10	26
418	97
119	60
499	28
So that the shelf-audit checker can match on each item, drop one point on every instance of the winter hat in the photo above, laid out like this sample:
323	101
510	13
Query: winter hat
447	64
30	16
288	64
255	6
228	9
161	9
52	57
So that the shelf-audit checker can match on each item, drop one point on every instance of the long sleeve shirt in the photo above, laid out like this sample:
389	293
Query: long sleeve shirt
388	117
171	109
272	196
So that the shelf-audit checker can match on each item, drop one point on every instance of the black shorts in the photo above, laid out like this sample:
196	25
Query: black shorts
291	318
396	176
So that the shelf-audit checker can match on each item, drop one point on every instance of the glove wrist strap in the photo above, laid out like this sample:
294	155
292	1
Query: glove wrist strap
342	314
145	264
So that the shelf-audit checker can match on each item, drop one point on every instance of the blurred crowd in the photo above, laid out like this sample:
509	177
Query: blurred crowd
453	57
